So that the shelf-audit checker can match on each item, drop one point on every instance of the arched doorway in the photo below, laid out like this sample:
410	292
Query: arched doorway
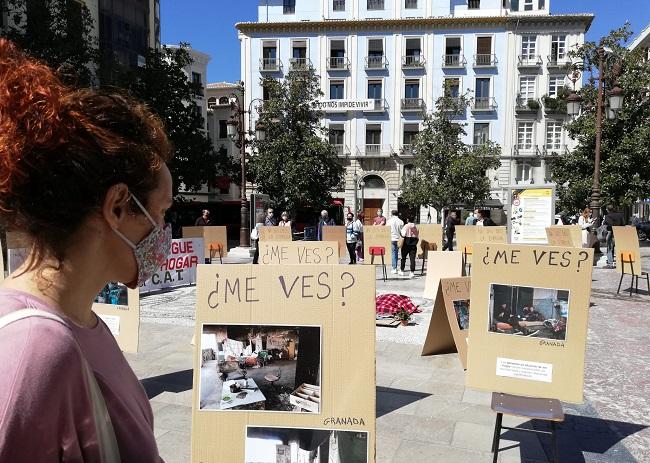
373	196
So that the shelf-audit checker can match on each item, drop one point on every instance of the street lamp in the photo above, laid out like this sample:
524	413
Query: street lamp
242	138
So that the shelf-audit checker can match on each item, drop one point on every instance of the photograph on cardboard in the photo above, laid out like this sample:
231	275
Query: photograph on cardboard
461	307
260	368
528	311
113	294
301	445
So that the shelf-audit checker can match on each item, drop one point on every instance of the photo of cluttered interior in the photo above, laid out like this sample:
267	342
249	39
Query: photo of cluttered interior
461	308
260	368
531	312
114	294
299	445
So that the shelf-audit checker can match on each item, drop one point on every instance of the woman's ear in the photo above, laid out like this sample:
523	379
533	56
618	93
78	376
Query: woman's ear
116	204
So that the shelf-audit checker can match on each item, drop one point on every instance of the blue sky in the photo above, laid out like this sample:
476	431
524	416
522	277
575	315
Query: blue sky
208	25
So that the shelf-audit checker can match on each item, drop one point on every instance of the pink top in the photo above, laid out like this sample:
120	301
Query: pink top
45	407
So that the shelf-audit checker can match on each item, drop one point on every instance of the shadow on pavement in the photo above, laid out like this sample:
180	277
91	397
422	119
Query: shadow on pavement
579	435
179	381
389	399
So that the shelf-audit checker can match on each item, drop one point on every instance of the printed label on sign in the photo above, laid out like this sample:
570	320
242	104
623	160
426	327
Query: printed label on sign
533	371
113	323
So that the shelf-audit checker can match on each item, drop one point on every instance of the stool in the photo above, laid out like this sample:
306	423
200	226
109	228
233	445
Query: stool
426	247
533	408
216	247
626	257
378	251
467	252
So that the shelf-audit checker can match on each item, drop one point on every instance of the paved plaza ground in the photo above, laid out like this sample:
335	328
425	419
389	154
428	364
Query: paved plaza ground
424	411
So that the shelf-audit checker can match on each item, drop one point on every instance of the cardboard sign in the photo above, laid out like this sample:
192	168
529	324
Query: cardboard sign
456	294
287	355
564	235
119	307
491	235
530	308
465	237
626	240
531	211
336	233
275	234
431	232
180	267
376	236
299	252
212	235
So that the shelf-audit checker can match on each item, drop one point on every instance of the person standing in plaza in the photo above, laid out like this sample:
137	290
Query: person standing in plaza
359	249
472	218
352	232
325	221
204	220
485	220
255	236
586	222
379	219
396	225
613	218
83	175
450	231
284	220
271	220
409	247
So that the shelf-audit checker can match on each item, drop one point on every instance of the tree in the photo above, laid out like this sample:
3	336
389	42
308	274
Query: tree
625	141
294	164
55	31
447	171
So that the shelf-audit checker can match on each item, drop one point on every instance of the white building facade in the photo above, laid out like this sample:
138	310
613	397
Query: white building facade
383	64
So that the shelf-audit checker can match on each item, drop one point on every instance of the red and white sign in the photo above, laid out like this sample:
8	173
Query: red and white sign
180	267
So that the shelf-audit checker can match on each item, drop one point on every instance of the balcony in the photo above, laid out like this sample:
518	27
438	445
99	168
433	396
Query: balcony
529	61
381	105
555	62
376	62
413	62
555	149
453	61
338	63
554	106
484	103
269	65
300	64
341	150
375	151
526	150
527	105
485	61
413	104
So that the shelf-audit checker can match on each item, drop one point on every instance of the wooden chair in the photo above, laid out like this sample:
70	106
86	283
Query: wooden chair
535	409
378	251
426	247
626	257
467	265
214	248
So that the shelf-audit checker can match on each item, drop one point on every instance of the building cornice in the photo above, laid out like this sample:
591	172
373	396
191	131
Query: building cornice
443	22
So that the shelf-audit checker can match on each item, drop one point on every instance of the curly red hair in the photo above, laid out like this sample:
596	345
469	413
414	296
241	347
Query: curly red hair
61	149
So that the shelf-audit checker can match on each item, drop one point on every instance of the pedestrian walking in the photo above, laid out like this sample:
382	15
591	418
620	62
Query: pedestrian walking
271	220
360	218
613	218
325	221
204	220
255	236
396	225
352	231
585	221
84	177
450	230
410	246
379	219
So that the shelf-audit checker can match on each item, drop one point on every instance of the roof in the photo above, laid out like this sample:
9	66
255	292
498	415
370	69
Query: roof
413	23
224	85
641	38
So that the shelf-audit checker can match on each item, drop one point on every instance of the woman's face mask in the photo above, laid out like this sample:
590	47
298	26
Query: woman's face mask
151	252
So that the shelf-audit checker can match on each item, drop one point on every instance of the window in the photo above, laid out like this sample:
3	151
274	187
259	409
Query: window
413	52
212	102
554	135
196	78
410	4
525	135
374	181
558	48
452	87
337	48
526	88
375	5
299	49
288	6
481	133
338	5
484	51
337	138
474	4
375	53
337	89
412	88
410	132
528	5
555	83
528	47
482	89
524	172
452	51
269	55
266	93
373	139
224	100
223	129
375	89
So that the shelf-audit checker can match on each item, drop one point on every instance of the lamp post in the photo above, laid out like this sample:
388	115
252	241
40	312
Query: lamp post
613	105
242	138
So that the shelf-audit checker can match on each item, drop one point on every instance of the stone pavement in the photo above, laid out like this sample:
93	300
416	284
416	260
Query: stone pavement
425	414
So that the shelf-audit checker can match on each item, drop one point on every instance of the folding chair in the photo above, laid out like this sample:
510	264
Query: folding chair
426	247
378	251
626	257
216	247
467	265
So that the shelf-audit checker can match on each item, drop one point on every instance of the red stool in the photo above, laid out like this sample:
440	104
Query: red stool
214	248
378	251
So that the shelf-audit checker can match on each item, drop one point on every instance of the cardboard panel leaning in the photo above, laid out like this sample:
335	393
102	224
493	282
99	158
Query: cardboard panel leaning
627	242
286	352
376	236
336	233
299	252
564	235
530	309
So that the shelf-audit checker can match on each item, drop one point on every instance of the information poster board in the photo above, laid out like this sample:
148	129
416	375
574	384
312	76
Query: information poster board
531	211
564	235
336	233
287	357
530	309
432	233
299	252
491	235
275	234
179	269
626	239
456	295
441	264
465	236
119	308
215	235
376	235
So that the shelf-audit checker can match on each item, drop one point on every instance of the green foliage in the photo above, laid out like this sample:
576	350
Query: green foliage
625	143
295	165
447	171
